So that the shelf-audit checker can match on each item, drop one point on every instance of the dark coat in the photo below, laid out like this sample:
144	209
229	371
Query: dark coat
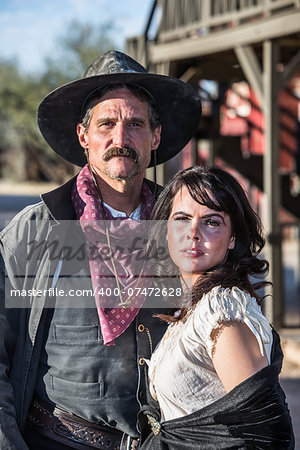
254	415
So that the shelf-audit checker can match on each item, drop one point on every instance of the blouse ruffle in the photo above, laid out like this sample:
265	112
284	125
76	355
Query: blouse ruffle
231	304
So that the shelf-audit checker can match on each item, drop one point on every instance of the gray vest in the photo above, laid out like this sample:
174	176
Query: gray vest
78	373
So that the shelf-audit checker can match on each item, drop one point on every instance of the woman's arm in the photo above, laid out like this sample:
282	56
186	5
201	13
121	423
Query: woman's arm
236	353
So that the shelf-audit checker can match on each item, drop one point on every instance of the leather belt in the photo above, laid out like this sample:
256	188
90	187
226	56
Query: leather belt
78	433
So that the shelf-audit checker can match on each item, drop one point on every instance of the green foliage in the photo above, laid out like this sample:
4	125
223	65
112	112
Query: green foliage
75	50
24	155
16	102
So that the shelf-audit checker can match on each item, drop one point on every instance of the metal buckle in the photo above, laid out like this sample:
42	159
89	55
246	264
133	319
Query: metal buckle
155	425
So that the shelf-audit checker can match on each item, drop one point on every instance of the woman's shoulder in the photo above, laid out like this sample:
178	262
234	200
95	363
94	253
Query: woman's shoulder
228	304
232	302
225	305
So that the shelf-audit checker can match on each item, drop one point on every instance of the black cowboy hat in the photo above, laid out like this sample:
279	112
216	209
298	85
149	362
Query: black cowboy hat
178	104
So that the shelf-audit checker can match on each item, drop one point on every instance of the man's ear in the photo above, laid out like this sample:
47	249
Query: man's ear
82	135
156	137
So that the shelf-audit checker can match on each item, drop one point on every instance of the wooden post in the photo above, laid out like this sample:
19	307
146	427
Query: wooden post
162	172
273	304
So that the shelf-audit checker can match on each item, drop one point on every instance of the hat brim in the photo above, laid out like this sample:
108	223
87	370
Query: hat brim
178	104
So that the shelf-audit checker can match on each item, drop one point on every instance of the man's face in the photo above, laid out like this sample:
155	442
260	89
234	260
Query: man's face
119	121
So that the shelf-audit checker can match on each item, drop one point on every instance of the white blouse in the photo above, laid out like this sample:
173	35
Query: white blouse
181	372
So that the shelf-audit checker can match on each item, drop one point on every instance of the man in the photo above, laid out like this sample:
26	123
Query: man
71	368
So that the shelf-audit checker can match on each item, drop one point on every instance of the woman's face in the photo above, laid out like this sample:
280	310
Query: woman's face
198	237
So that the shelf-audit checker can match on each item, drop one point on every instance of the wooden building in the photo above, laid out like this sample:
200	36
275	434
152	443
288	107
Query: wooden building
233	41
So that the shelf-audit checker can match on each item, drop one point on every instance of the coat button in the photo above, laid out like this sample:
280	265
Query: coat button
141	361
141	328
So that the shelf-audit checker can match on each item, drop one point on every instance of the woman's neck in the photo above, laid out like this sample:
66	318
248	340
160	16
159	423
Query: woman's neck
188	280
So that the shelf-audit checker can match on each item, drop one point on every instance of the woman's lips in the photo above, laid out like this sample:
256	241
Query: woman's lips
192	252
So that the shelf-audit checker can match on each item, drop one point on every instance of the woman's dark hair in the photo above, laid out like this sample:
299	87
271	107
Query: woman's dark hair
242	262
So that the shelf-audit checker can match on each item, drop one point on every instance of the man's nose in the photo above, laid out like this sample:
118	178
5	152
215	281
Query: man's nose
120	135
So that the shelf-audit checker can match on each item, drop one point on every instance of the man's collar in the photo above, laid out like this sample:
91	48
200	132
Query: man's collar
135	215
59	203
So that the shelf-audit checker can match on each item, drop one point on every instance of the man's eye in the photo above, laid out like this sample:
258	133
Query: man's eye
106	124
181	218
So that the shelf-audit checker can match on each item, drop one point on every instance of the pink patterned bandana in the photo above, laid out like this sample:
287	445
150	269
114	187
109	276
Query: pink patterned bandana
127	245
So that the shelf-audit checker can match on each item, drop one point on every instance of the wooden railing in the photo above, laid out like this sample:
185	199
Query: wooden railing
189	18
180	18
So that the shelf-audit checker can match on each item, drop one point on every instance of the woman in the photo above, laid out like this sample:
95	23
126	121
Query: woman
215	371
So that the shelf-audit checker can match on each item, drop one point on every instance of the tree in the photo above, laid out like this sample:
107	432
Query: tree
76	49
24	155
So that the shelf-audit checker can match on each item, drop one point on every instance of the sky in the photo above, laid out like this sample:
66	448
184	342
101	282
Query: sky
29	28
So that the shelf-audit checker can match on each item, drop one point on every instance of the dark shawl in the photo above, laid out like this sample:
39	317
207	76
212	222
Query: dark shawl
253	415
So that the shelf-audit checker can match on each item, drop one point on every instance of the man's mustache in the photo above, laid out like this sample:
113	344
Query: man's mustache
128	152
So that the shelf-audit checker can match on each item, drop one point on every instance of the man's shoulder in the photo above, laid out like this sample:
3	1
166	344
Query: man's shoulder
36	210
27	221
36	217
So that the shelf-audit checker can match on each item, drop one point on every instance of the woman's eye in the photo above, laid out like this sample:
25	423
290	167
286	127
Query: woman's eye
212	223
